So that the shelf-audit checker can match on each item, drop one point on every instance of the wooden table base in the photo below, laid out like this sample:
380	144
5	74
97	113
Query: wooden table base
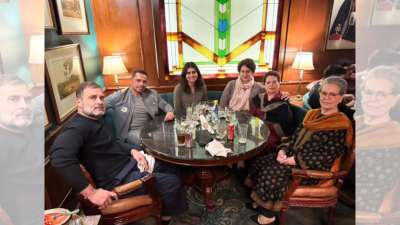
204	180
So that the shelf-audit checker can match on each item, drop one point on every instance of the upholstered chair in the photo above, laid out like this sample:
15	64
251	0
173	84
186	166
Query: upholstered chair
126	210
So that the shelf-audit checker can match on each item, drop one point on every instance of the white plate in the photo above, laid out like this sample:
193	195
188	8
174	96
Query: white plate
59	210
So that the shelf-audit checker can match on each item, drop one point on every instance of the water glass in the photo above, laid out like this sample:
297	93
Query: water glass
221	129
242	134
190	135
230	115
221	112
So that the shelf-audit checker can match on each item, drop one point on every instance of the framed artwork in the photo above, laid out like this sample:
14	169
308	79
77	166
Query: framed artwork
385	12
341	32
64	74
49	20
71	16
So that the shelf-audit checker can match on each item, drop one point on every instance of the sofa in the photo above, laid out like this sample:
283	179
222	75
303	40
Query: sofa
212	95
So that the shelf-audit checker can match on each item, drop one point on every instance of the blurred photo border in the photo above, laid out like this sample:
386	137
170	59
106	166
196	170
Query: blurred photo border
380	17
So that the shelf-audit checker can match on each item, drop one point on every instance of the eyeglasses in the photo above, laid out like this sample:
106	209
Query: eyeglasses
379	95
328	94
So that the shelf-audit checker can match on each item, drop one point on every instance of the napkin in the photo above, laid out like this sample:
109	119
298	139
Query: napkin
150	161
216	148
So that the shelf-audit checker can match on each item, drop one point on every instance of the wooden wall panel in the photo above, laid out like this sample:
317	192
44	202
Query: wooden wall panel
307	25
148	41
117	27
304	28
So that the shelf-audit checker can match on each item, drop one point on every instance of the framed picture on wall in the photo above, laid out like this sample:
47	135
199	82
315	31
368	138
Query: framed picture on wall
341	27
385	12
71	16
64	74
49	20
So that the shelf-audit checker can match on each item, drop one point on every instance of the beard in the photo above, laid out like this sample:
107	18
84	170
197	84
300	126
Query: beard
95	113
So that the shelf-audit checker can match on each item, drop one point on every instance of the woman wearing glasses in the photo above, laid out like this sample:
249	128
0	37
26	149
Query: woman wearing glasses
378	155
324	135
190	90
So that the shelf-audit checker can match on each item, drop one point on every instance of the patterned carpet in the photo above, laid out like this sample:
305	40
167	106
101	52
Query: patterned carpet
231	198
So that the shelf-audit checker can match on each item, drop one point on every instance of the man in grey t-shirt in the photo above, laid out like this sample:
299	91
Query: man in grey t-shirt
133	107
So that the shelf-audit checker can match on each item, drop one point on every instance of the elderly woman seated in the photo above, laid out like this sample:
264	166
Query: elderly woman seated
324	135
270	107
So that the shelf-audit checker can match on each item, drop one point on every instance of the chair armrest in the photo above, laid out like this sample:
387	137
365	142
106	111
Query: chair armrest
150	185
126	204
299	174
317	174
129	187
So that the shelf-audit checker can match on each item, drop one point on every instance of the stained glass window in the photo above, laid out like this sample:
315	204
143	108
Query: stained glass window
217	34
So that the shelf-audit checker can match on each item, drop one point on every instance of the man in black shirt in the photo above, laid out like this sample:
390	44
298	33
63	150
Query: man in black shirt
88	140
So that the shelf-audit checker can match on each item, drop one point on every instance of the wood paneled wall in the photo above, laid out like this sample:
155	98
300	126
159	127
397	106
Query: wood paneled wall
132	27
306	23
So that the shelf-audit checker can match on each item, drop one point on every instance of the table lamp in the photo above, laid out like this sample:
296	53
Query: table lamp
113	65
302	61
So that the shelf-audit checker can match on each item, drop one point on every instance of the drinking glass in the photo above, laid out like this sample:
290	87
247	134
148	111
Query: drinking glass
221	112
180	133
230	115
242	134
221	129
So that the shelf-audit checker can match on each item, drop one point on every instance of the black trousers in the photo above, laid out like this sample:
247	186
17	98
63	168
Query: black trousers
168	185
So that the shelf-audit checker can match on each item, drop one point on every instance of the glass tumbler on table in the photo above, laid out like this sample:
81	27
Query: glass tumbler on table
221	129
180	134
242	134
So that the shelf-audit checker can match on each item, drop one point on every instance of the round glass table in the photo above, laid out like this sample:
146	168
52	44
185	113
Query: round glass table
159	139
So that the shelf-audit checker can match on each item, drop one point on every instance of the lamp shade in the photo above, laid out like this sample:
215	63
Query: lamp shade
303	61
36	49
113	65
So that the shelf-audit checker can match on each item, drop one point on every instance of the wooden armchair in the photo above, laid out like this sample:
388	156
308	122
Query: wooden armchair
126	210
322	195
